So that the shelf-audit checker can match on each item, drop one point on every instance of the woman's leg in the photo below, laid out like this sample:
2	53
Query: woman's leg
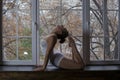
60	61
66	63
76	57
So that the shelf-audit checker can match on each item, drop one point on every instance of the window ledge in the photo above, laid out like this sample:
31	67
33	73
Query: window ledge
52	68
90	68
103	68
16	68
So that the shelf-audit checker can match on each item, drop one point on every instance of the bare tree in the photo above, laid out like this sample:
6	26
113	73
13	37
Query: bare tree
108	29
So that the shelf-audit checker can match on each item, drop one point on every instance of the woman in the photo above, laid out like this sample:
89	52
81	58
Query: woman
57	59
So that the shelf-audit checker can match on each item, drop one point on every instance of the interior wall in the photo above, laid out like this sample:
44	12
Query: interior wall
0	30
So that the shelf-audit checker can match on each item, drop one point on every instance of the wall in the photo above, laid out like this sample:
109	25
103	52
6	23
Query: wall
0	30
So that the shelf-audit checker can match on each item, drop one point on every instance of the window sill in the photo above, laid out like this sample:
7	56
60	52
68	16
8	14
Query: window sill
16	68
52	73
103	68
52	68
89	68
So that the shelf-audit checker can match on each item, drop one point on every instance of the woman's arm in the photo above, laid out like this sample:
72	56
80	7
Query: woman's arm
51	41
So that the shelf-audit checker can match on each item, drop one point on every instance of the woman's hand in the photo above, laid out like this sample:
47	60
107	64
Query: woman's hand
39	69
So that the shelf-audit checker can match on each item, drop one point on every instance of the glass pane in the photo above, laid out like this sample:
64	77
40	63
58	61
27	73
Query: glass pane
73	4
97	41
9	49
73	22
97	49
16	28
112	4
24	18
48	19
98	4
113	30
9	18
9	28
95	24
104	38
24	49
49	4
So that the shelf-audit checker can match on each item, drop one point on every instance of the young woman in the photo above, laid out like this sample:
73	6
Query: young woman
57	59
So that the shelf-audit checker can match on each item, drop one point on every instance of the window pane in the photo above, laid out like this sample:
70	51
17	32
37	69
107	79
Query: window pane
113	32
48	19
9	18
17	30
24	49
97	4
24	18
97	49
100	33
112	4
49	4
74	22
73	4
96	43
9	49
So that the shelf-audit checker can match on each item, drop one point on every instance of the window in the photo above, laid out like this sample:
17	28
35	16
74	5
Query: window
104	29
94	25
60	12
17	32
26	22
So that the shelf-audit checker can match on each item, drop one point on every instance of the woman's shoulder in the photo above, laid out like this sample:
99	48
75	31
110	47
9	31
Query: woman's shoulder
50	36
51	39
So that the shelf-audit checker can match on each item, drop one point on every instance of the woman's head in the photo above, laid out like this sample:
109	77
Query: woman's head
61	33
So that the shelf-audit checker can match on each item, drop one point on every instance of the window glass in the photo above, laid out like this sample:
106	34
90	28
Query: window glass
17	30
104	30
